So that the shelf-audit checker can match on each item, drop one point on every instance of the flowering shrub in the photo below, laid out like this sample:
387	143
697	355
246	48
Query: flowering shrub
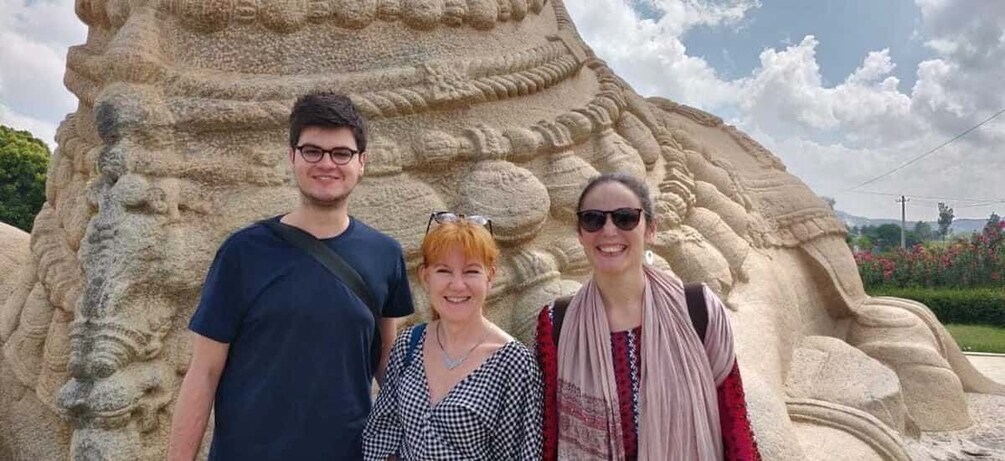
966	263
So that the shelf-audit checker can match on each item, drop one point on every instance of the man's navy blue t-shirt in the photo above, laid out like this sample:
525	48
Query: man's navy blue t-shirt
296	384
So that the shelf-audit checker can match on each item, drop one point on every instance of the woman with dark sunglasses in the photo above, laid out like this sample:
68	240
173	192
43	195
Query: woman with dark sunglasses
626	373
459	387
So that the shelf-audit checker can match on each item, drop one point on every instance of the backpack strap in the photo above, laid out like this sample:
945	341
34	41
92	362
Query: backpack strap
697	308
694	294
338	267
558	316
413	343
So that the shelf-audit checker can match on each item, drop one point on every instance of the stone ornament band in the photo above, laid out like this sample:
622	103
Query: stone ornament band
290	16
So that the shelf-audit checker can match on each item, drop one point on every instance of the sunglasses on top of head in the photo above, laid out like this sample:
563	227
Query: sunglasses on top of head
625	219
443	217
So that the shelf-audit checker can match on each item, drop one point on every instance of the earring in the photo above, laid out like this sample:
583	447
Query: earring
649	257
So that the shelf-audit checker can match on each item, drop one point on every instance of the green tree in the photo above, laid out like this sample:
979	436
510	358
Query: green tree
882	238
887	237
994	221
862	243
992	232
945	219
23	162
923	231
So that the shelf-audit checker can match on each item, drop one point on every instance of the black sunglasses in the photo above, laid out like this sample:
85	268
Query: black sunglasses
443	217
625	219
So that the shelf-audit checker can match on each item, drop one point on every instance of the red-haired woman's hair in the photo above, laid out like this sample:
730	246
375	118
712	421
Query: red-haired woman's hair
474	240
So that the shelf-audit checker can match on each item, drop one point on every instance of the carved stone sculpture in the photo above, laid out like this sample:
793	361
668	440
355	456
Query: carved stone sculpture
488	106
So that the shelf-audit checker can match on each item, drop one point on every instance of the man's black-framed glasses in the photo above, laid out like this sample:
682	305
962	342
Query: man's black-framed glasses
443	217
625	219
314	154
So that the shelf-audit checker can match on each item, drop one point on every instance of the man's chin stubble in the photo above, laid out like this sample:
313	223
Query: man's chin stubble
315	202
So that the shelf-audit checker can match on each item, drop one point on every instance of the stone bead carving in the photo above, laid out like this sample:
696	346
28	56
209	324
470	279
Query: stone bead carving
616	154
539	283
436	148
204	16
564	175
569	256
289	16
393	201
637	134
515	199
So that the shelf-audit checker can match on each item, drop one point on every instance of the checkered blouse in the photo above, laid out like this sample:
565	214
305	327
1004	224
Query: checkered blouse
494	413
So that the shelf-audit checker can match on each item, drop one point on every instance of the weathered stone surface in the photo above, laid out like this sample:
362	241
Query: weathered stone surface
14	255
489	106
819	371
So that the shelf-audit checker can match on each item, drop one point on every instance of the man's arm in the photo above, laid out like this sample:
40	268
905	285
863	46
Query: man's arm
195	399
388	331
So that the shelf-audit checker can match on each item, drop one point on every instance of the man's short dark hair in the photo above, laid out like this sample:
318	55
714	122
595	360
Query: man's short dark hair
327	110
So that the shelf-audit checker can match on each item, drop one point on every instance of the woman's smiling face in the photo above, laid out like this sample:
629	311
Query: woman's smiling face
457	285
610	250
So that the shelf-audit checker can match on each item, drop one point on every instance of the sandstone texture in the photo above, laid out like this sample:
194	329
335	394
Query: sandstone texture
494	107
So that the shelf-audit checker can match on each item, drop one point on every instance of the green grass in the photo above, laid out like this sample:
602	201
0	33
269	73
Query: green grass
978	338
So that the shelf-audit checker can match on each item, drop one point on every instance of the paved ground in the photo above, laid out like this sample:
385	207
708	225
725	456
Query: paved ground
992	366
984	440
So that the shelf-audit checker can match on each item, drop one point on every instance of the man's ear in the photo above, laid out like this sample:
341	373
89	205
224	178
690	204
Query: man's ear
293	155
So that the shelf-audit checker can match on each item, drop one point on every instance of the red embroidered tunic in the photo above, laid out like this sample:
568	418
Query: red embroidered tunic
737	437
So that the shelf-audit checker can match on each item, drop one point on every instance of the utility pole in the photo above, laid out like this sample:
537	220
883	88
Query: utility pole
903	221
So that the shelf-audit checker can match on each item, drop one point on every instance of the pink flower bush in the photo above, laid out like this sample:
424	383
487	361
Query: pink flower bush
965	263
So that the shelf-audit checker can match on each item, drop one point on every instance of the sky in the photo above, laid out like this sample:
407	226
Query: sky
857	97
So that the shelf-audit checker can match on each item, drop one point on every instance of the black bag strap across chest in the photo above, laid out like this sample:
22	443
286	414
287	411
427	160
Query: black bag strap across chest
339	268
697	310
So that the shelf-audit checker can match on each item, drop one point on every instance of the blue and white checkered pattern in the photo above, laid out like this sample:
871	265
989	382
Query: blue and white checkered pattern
494	413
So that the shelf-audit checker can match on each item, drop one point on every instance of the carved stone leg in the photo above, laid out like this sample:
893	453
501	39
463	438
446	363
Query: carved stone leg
900	340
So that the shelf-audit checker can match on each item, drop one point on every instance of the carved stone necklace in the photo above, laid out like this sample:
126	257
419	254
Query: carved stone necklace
451	362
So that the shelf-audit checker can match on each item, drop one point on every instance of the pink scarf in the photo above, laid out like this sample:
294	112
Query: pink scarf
678	409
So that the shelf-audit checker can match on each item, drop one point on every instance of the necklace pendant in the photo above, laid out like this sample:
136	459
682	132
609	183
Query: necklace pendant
451	363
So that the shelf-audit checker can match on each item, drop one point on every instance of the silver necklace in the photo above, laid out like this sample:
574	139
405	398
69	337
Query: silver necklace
451	362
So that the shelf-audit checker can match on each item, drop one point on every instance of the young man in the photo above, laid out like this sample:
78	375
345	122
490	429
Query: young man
282	347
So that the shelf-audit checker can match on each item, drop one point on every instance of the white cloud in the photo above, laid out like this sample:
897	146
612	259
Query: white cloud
684	14
788	82
651	57
835	137
787	97
41	129
876	65
34	37
961	85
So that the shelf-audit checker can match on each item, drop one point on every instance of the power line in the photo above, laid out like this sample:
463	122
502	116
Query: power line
981	204
940	146
926	206
923	197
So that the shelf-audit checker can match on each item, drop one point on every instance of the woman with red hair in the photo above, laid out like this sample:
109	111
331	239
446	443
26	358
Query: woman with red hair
458	387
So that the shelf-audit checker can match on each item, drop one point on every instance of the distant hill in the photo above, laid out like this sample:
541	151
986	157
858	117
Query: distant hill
959	226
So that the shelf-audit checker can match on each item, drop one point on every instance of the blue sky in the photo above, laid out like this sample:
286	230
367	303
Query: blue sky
847	30
841	91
